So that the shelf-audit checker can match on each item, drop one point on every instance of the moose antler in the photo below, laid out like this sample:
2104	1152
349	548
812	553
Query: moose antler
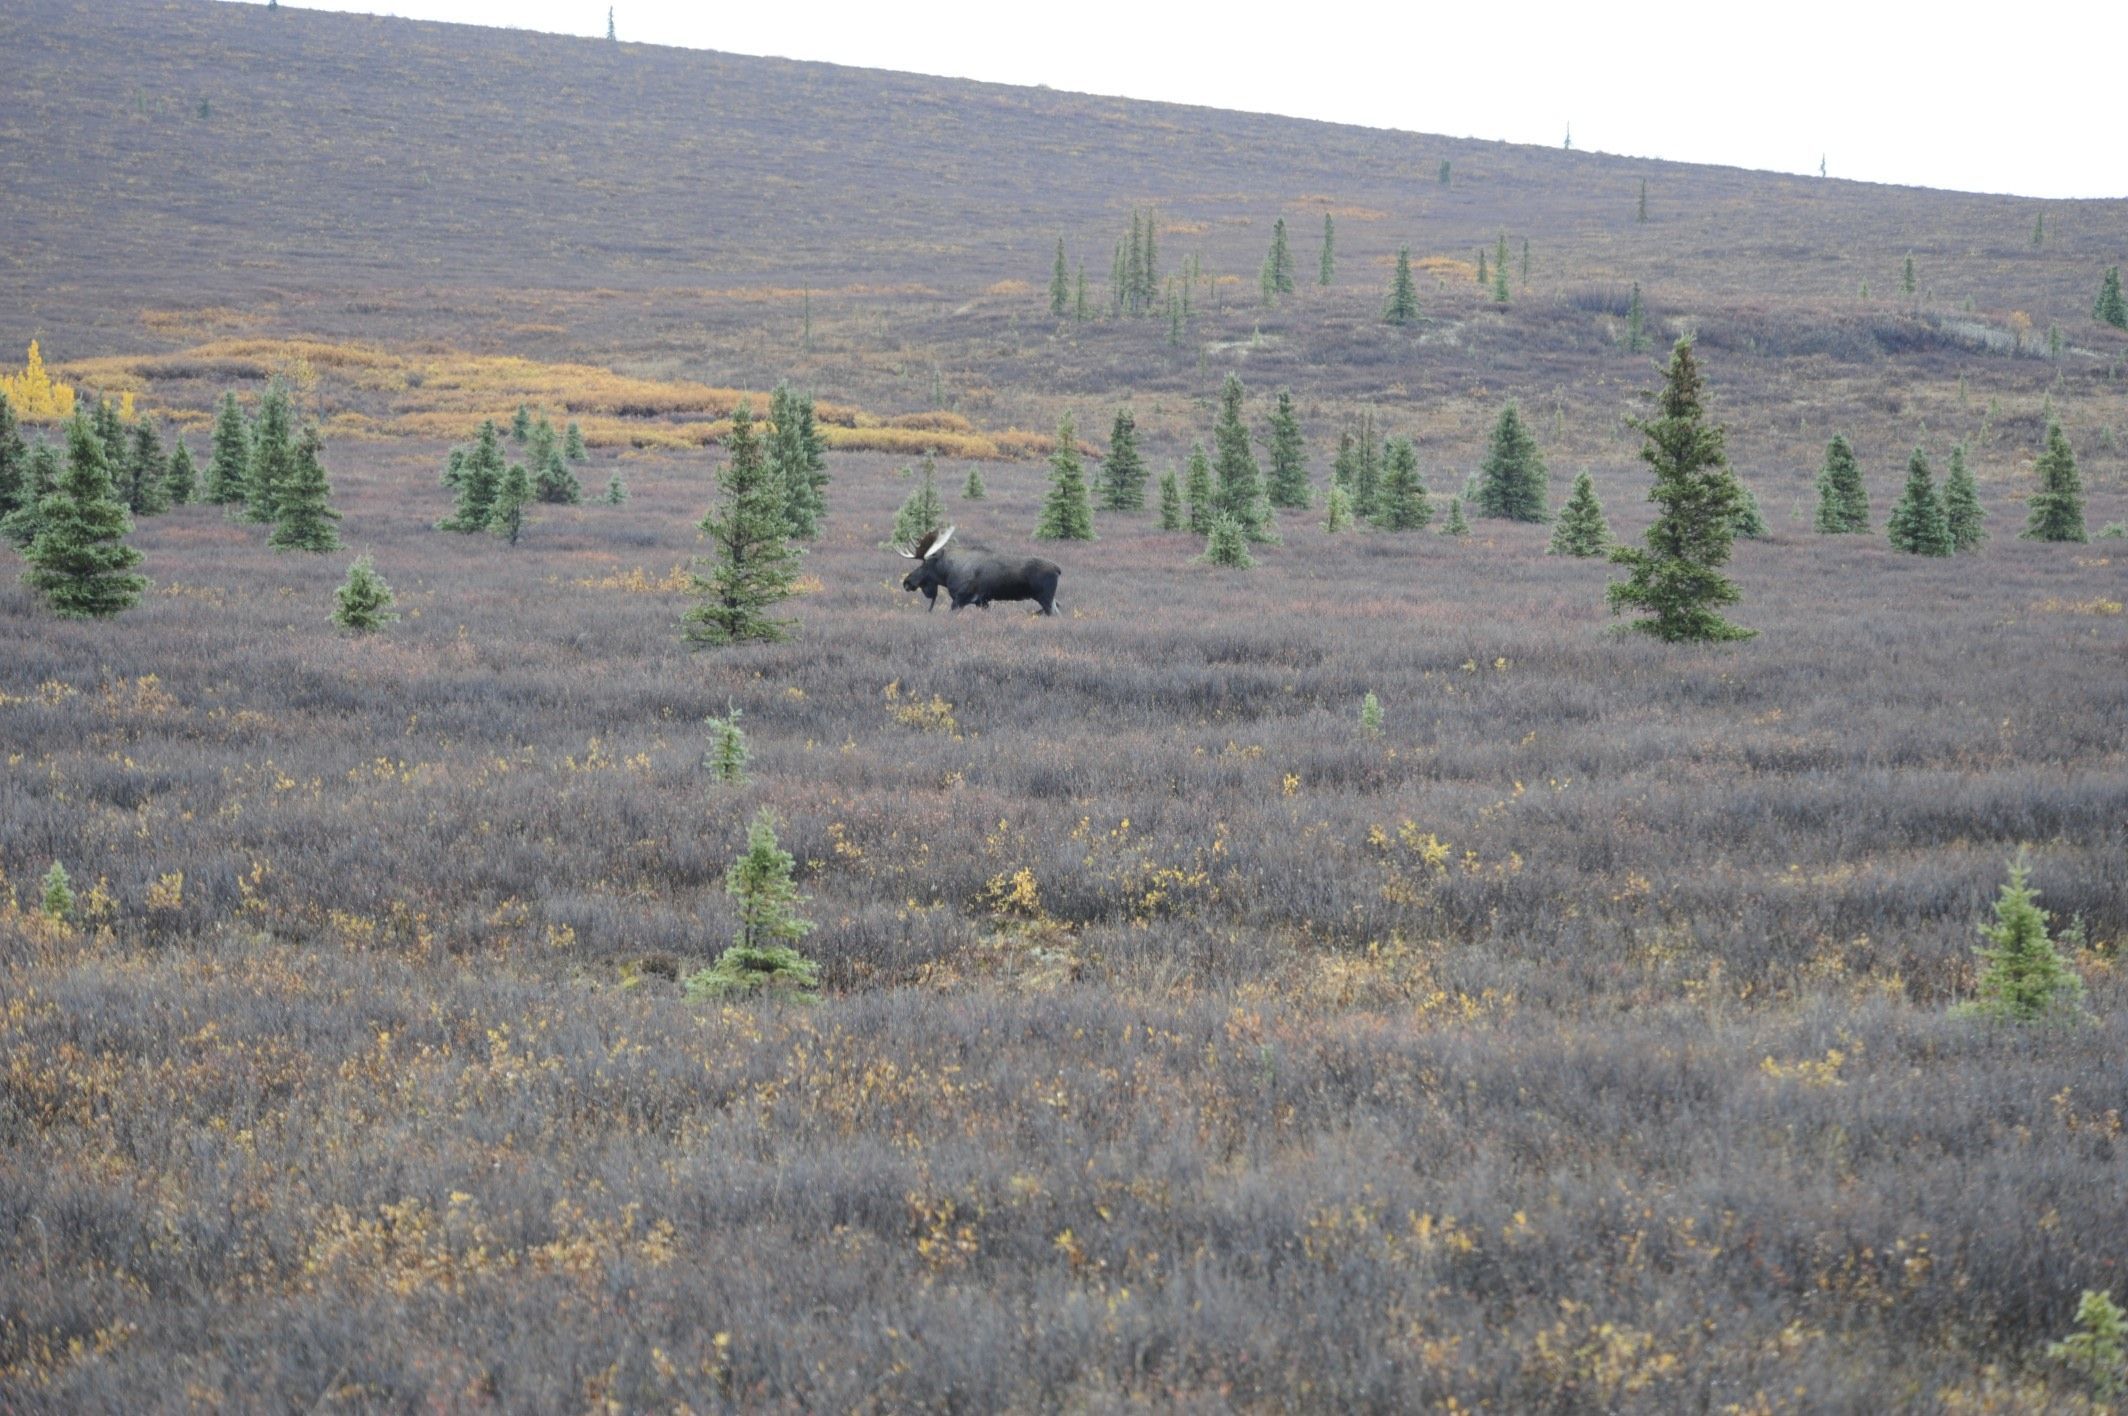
929	545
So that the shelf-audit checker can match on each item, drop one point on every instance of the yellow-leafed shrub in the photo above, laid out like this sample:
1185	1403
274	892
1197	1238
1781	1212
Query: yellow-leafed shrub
32	393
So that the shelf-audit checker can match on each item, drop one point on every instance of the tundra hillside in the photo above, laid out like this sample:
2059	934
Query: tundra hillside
1581	1036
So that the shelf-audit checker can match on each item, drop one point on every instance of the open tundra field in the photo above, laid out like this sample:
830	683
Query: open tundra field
1584	1039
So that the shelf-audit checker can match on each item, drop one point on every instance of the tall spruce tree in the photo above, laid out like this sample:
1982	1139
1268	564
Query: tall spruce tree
14	462
1326	267
1059	284
2109	308
1636	323
1676	579
1513	482
480	475
1287	485
272	455
923	510
110	428
1403	305
753	564
1171	513
797	458
306	517
1366	468
1122	477
1203	502
1241	492
1581	530
1067	514
147	467
507	518
2057	508
1400	502
1917	525
1962	512
80	561
40	478
1500	290
231	460
1843	502
1279	263
181	485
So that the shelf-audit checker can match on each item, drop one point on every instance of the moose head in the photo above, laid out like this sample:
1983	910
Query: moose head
928	573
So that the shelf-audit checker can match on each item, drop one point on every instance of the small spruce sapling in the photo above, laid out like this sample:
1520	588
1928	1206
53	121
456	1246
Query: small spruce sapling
363	603
1371	715
1228	545
616	490
727	755
1337	511
2057	508
1917	525
1198	491
1843	501
2023	979
762	959
58	902
1456	525
923	510
507	520
1581	531
2098	1350
973	489
1171	514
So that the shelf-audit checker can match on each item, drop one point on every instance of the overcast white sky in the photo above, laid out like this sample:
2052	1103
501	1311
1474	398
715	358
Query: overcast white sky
2010	99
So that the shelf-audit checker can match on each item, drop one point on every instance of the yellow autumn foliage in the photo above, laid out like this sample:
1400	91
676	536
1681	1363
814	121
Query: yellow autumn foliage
33	394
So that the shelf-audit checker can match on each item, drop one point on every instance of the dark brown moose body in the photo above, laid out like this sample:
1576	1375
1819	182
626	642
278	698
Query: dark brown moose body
971	575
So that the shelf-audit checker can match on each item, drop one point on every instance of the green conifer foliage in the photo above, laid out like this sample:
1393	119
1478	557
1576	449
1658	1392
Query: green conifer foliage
1403	307
1171	513
1123	474
14	462
1059	284
1370	715
147	467
1513	482
1400	502
40	479
1962	513
521	423
507	517
573	444
1344	465
973	488
1442	175
1227	545
1337	510
797	458
923	510
1636	323
1287	485
1500	290
2057	508
306	516
1843	502
1455	525
1326	267
1677	578
1750	517
1366	468
480	474
760	885
616	491
1067	514
726	758
1581	530
363	603
1240	491
753	564
273	455
231	460
1917	524
1198	491
111	431
2023	978
79	560
181	483
1483	278
1278	265
57	900
2109	308
2098	1349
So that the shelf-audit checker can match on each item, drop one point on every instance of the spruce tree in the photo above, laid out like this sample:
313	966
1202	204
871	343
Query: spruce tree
754	563
1500	291
554	483
1279	263
181	484
227	468
797	458
306	516
1677	578
1344	465
727	754
1456	525
1067	515
140	479
616	491
1962	512
923	510
1241	493
479	483
1400	502
80	561
14	462
1843	502
2110	308
57	901
1337	510
1750	517
1122	476
760	886
1636	323
1288	482
973	489
1059	284
2057	508
1171	513
1198	491
1581	530
1917	524
1326	268
363	603
40	479
111	431
272	455
1366	469
1227	545
1483	278
2024	978
521	423
1403	305
1149	266
573	444
1513	482
507	517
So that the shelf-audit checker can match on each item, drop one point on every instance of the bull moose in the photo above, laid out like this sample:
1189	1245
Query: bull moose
974	576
